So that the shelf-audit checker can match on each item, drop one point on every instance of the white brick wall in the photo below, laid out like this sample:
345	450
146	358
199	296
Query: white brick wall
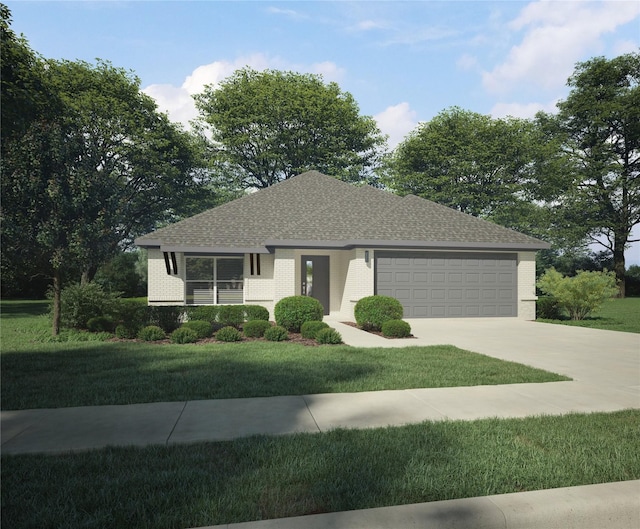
163	288
358	281
527	286
351	280
260	290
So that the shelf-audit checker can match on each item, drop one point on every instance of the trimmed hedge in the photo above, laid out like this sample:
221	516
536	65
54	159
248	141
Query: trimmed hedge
229	334
168	318
293	311
231	315
276	334
184	335
396	329
256	312
151	333
328	336
202	328
310	329
255	328
203	313
371	312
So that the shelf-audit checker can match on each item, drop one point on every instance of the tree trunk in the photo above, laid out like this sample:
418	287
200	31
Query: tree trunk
619	263
57	288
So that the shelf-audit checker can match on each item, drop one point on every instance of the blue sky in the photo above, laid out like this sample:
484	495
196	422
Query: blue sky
404	62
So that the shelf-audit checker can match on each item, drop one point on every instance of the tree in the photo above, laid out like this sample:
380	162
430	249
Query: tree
473	163
600	120
90	169
269	126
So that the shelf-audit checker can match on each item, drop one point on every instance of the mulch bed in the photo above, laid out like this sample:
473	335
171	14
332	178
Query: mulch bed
293	338
377	333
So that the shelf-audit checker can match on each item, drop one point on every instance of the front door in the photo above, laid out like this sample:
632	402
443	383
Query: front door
315	278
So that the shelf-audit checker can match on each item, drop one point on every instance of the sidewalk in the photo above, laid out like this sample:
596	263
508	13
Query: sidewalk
605	367
64	429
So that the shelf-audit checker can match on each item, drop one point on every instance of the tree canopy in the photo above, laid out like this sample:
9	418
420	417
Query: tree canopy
478	165
91	164
269	126
600	124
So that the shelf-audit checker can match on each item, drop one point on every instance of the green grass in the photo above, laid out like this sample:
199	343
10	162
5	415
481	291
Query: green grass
36	374
615	315
271	477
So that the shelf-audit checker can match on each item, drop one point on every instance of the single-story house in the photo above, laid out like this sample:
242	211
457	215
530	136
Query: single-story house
316	235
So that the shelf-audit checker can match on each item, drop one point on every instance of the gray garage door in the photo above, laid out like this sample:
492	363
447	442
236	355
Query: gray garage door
449	284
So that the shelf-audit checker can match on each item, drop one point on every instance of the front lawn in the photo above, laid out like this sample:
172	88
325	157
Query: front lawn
615	315
271	477
36	374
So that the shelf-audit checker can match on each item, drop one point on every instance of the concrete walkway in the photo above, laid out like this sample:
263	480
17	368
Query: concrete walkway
604	365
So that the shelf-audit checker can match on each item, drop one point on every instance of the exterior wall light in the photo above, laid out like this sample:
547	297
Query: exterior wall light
366	256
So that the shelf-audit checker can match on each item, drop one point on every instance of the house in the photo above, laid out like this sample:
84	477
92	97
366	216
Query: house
316	235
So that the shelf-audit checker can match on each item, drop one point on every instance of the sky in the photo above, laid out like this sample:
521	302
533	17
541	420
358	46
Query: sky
404	62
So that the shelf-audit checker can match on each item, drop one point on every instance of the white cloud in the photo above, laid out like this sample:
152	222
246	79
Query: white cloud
622	47
396	121
521	110
467	62
556	36
367	25
178	102
296	15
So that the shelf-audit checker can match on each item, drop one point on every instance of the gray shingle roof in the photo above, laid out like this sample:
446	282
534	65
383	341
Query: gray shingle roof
315	210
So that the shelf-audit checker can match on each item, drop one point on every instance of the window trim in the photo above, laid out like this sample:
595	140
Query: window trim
214	280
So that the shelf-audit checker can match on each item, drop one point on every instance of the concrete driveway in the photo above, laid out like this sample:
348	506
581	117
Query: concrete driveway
594	356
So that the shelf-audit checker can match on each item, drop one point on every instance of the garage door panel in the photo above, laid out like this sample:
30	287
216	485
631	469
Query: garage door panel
444	284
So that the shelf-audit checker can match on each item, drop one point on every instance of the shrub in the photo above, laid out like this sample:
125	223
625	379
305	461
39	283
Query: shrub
371	312
202	328
204	313
309	329
131	313
229	334
293	311
184	335
255	328
231	315
276	334
396	329
581	294
79	303
632	281
125	332
328	336
168	318
151	333
100	324
547	307
256	312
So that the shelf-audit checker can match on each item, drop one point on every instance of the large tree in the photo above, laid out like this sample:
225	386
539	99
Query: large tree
271	125
91	169
600	124
478	165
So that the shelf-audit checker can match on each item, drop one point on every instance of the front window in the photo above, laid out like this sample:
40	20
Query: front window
214	280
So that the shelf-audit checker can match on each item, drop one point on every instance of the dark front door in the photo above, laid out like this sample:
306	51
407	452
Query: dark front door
315	278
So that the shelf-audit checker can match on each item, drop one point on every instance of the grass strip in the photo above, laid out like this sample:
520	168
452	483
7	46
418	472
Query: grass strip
614	315
92	373
271	477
